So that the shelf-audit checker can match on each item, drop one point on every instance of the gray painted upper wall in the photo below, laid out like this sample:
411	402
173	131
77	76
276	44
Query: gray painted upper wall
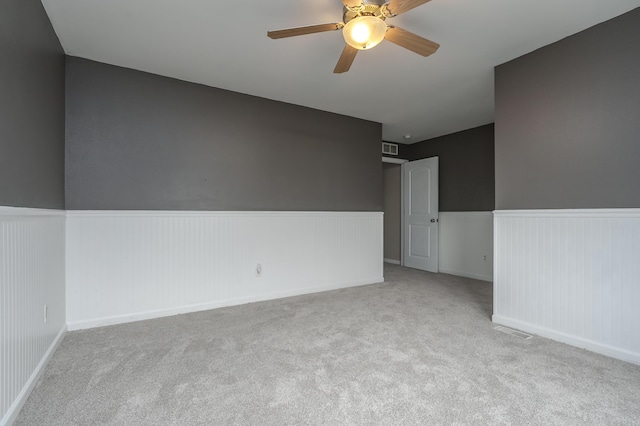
31	108
568	122
142	141
466	163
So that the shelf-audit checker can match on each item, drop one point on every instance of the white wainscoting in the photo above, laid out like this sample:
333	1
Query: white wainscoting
466	244
32	275
572	276
126	266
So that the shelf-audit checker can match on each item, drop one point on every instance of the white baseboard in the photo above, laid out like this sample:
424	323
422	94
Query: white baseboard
466	274
579	342
102	322
392	261
22	397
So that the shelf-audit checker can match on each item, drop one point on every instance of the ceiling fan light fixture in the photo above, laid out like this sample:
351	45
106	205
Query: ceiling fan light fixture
364	32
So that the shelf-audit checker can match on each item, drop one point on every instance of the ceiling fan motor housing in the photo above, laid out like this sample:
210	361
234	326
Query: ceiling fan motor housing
364	10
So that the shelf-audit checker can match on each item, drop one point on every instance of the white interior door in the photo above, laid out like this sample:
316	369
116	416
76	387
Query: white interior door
420	214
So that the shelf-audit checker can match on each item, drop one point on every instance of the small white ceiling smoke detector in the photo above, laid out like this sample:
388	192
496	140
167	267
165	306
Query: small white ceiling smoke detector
407	137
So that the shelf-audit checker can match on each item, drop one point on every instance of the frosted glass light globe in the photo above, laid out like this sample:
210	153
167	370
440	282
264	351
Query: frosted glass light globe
364	32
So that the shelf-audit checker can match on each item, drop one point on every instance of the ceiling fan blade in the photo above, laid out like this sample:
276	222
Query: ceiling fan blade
411	41
346	59
352	3
292	32
396	7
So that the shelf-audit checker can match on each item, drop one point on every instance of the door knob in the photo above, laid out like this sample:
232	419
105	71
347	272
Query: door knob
434	220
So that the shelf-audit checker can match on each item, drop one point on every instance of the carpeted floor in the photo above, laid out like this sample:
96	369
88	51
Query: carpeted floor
417	349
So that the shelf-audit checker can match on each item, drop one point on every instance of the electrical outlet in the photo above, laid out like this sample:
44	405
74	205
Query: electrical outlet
259	270
484	258
46	313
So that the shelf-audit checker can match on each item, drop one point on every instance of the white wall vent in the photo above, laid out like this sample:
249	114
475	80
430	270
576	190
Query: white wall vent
389	148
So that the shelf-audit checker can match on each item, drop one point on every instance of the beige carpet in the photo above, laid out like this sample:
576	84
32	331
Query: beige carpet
417	349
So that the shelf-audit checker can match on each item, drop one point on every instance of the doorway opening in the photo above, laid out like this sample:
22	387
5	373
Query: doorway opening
411	222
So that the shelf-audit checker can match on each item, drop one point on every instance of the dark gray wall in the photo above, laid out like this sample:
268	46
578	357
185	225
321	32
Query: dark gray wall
568	122
466	163
141	141
31	107
392	212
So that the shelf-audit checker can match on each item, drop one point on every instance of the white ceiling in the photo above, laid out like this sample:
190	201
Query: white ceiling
224	44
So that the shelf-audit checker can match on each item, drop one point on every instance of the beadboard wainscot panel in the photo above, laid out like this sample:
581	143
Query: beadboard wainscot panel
572	276
32	275
466	244
124	266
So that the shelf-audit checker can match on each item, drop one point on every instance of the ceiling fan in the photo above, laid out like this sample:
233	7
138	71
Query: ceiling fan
364	27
